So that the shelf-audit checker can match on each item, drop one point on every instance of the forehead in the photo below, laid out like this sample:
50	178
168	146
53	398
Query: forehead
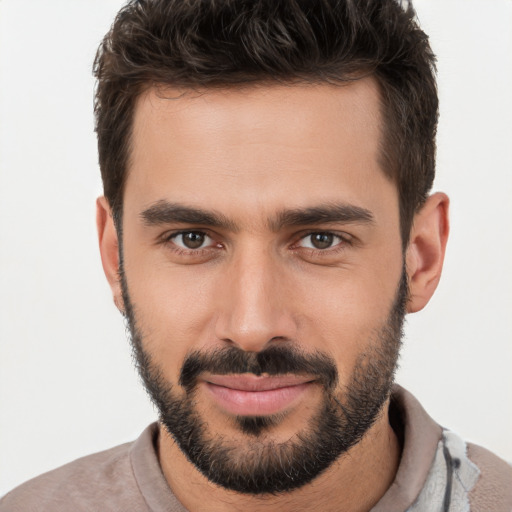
267	146
318	114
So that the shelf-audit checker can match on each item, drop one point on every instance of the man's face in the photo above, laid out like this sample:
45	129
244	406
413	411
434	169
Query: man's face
263	274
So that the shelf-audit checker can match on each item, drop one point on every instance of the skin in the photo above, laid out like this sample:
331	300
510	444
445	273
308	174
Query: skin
250	154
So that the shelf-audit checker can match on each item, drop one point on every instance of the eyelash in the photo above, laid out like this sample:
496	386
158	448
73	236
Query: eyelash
345	240
168	239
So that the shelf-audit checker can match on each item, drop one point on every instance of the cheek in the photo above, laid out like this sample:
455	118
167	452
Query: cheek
173	309
345	312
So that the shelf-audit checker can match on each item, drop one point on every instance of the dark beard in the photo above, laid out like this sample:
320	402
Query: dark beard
269	467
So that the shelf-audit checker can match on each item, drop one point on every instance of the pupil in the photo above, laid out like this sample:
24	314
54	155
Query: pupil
193	240
322	240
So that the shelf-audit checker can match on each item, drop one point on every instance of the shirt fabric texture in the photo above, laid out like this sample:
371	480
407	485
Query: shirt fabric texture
438	472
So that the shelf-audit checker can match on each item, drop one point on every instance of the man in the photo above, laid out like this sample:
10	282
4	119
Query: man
266	225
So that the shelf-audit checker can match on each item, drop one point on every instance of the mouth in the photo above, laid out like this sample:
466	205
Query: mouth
251	395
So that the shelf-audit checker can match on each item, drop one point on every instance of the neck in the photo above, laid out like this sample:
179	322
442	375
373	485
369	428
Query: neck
355	482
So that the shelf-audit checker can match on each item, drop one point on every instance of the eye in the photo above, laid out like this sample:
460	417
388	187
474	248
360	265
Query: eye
320	241
191	240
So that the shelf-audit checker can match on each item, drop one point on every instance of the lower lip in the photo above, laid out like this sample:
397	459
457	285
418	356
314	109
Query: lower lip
256	403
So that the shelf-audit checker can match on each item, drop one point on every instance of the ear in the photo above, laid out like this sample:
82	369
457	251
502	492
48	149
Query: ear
426	249
109	249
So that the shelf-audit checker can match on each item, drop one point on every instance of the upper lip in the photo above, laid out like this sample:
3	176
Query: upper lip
251	382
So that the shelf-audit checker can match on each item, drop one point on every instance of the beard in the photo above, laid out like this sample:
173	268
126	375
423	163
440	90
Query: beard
260	465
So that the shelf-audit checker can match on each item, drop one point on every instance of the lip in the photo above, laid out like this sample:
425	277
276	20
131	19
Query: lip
251	395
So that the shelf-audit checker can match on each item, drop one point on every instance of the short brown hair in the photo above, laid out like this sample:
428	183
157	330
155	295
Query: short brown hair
220	43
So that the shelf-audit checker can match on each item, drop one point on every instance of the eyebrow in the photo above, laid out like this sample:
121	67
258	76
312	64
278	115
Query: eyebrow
164	212
329	213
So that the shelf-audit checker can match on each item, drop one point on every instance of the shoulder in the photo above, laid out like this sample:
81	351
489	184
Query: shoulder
102	481
493	490
439	469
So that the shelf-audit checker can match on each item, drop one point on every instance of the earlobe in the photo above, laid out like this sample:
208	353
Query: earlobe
426	250
109	249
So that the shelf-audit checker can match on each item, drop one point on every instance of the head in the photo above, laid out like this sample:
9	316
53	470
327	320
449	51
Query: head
265	225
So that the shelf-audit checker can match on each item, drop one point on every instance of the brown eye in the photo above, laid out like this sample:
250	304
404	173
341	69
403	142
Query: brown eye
191	239
320	241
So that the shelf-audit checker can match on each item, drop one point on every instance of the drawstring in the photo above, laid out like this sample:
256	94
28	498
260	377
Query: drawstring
449	477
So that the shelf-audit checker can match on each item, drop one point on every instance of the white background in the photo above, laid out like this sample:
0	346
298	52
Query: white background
67	387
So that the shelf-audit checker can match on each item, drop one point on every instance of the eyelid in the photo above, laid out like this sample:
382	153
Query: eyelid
169	237
206	240
336	240
344	238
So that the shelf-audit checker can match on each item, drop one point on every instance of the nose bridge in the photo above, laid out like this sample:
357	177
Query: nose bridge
252	312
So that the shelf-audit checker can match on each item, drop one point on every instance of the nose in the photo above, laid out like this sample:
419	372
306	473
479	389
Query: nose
254	304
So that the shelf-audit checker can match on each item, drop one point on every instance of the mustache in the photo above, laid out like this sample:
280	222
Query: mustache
274	360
